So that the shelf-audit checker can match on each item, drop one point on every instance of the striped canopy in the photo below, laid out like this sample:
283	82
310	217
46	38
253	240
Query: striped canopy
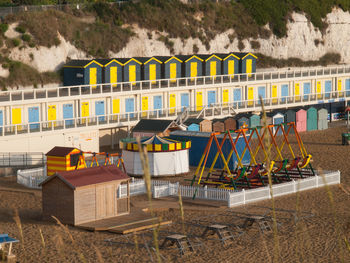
155	144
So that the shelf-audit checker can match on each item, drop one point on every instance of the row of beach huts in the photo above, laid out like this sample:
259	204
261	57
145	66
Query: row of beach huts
116	70
308	119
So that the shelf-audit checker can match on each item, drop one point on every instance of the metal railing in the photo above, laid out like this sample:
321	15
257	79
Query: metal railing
213	111
13	159
110	89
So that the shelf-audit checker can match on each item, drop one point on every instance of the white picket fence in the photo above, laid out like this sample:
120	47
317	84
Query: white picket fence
33	177
263	193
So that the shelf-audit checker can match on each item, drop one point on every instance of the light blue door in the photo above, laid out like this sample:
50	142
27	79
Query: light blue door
185	100
284	92
130	106
307	90
1	121
68	114
328	88
33	117
347	87
237	96
211	97
100	110
261	93
278	121
157	104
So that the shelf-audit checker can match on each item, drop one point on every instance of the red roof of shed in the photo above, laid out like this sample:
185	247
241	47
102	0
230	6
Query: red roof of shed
89	176
60	151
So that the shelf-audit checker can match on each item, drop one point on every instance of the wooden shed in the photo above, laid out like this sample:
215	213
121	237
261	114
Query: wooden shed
132	70
194	124
300	120
322	120
191	66
230	64
254	121
230	124
82	72
211	65
64	159
112	71
151	68
86	195
218	126
247	62
311	119
171	67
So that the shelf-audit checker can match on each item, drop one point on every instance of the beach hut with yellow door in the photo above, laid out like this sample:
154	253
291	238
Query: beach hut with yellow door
211	65
247	62
230	63
64	159
171	67
132	70
82	72
151	68
112	71
191	66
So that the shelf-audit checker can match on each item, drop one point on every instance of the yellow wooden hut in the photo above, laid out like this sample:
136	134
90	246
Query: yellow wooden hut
64	159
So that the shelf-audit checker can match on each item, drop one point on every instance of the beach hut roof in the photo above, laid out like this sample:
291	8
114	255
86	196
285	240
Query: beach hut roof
243	55
206	57
80	63
136	59
185	58
152	125
190	121
60	151
225	56
105	62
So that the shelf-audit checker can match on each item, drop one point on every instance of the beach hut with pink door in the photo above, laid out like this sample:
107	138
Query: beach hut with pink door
301	120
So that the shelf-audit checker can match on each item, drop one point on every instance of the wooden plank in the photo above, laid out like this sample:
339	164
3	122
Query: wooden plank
137	227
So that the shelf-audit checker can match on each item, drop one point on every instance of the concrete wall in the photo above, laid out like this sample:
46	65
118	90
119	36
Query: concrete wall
84	139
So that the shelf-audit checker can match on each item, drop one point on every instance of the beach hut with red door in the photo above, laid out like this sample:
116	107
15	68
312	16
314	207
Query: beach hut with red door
301	120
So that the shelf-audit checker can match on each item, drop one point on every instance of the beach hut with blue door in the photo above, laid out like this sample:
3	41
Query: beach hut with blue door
191	66
132	70
151	68
322	119
171	67
327	89
311	119
112	70
68	114
277	118
211	65
247	62
1	121
284	93
306	90
33	118
82	72
242	120
230	63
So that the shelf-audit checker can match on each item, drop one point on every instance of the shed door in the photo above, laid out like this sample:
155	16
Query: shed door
93	77
274	93
85	109
173	72
249	66
307	90
193	70
116	106
327	88
152	72
68	113
212	68
172	102
312	119
250	96
199	101
185	100
130	106
113	72
339	86
225	96
261	93
347	87
211	97
144	105
237	96
101	202
157	103
16	116
51	114
297	91
33	116
277	120
1	120
100	110
231	67
319	89
284	92
132	74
